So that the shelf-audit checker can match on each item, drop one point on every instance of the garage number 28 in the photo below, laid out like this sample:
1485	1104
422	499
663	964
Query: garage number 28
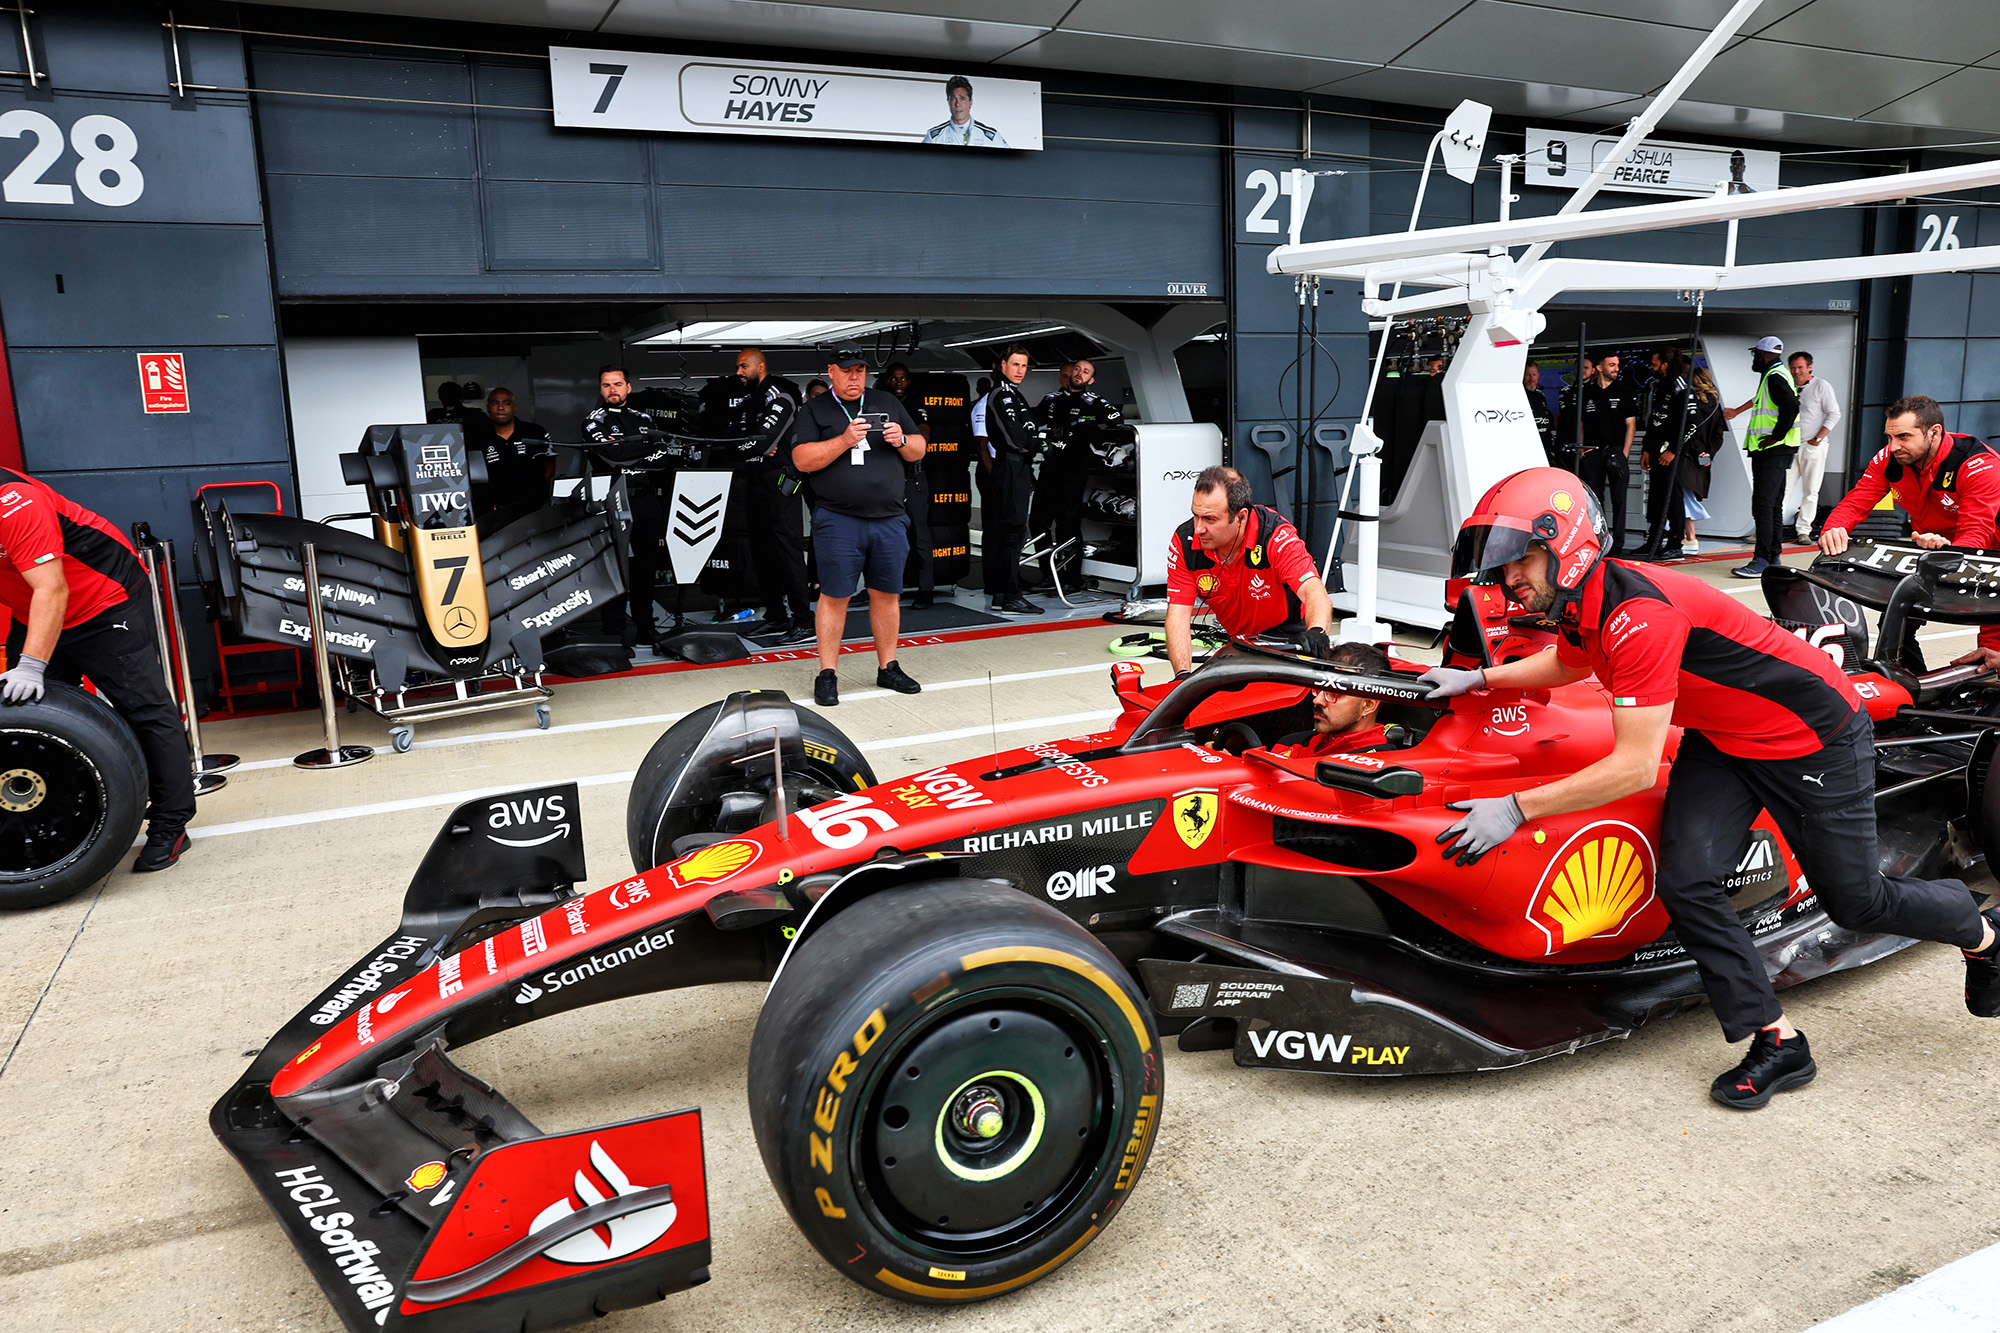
105	171
846	821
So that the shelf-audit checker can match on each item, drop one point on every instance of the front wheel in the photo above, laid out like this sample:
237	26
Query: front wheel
954	1088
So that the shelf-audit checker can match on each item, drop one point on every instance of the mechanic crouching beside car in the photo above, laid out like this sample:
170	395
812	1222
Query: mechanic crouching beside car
1248	565
1770	724
81	608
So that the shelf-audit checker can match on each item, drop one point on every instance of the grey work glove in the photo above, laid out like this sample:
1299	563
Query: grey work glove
1486	825
23	684
1450	682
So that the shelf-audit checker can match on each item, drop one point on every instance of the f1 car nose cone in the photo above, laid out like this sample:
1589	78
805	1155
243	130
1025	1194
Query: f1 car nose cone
979	1114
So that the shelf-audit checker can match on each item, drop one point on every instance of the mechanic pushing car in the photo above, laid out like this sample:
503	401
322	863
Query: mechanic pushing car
1342	723
1948	484
1246	563
1770	724
90	613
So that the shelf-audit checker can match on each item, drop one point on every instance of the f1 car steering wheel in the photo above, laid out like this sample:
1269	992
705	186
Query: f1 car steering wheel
1238	736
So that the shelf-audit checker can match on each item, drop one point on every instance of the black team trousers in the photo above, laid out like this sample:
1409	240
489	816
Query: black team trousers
1824	805
118	648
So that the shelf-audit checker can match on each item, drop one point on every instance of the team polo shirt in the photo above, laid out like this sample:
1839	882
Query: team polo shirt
1314	744
1248	594
38	526
1654	637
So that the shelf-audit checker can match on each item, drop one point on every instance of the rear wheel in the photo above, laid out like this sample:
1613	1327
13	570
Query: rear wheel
833	764
954	1088
72	795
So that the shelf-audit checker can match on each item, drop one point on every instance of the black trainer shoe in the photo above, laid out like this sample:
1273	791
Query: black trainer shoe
923	601
1982	974
893	677
1018	606
1769	1067
795	633
826	688
164	846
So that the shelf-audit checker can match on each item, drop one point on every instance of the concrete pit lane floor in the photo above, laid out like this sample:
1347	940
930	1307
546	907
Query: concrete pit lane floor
1602	1190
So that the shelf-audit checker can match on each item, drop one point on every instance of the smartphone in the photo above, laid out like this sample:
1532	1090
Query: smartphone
876	421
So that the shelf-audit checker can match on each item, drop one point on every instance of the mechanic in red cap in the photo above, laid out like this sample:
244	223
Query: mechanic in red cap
1771	724
82	608
1342	723
1247	564
1948	484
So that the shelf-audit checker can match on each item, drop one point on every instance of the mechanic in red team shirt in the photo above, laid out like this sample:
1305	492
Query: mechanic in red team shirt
1770	724
81	608
1948	484
1246	564
1342	723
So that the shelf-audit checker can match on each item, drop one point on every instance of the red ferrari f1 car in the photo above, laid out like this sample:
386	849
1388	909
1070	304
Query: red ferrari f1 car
957	1075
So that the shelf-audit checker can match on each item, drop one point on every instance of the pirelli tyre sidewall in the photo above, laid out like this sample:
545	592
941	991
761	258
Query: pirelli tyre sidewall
831	761
72	795
906	1014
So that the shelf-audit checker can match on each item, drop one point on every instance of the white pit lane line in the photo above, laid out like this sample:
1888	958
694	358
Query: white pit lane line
603	779
668	719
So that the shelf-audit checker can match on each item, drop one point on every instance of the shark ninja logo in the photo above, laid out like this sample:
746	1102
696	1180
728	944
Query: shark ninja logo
616	1239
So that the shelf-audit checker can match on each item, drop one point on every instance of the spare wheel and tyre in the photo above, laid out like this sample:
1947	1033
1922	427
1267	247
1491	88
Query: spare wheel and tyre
72	795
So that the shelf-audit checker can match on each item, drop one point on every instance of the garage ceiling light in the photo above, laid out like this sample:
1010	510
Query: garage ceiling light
1007	335
767	332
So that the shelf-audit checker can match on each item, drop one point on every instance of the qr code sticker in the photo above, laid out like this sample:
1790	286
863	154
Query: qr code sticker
1190	997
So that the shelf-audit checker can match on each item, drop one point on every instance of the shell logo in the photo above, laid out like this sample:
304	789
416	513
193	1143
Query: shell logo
1594	885
1561	502
718	861
425	1176
1205	584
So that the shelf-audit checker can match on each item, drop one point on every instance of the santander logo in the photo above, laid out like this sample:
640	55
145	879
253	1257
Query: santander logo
619	1237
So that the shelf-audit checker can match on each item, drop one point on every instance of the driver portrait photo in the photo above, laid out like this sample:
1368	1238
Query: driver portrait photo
962	129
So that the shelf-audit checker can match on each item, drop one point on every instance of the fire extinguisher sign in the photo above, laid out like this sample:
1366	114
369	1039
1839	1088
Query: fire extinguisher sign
163	385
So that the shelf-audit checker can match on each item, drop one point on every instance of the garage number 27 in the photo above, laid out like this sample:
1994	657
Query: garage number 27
845	821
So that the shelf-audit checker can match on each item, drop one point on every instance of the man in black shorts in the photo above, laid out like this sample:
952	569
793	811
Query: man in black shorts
853	443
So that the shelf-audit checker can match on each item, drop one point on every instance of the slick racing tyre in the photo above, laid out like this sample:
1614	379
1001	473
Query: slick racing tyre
954	1088
72	795
833	765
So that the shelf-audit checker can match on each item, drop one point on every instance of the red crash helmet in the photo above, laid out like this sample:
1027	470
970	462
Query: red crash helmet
1540	504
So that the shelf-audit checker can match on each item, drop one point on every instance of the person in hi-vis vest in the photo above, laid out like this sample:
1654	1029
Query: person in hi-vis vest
1771	440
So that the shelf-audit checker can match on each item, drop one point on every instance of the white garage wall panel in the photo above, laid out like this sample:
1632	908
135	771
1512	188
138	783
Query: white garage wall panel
338	388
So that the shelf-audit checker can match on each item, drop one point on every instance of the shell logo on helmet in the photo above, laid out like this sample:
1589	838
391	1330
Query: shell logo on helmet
1561	502
1595	884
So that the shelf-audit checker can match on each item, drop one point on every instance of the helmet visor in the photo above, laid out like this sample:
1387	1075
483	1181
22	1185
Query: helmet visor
1483	548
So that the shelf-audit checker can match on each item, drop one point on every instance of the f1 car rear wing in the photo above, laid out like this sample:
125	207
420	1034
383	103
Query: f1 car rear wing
1907	584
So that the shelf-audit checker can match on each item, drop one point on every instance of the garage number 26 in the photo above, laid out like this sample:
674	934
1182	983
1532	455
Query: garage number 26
845	821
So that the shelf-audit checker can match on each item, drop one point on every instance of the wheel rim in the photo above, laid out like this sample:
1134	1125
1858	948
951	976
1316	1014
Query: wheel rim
52	804
986	1124
740	810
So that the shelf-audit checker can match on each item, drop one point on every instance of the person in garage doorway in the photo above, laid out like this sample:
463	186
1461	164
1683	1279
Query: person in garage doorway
1819	414
771	509
649	479
1013	432
853	443
1247	564
1610	410
1948	484
520	465
1769	723
1342	723
82	607
1772	440
1073	415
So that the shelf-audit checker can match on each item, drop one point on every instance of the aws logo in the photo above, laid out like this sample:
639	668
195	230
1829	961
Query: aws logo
1594	885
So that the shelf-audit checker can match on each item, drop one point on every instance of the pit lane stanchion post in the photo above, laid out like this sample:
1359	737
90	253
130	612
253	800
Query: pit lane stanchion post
156	558
1365	457
332	754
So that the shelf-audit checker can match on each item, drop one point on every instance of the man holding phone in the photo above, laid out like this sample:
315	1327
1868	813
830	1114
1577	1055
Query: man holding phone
854	442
